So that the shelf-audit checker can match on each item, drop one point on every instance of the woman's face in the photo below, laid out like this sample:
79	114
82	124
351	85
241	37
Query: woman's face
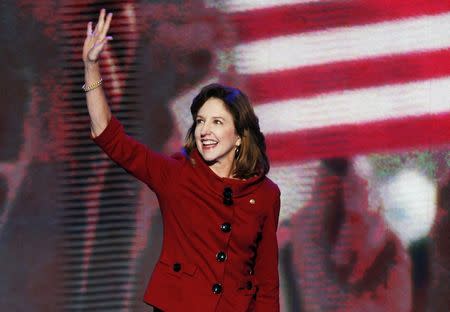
215	134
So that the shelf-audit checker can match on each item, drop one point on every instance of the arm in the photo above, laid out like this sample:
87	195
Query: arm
106	130
266	267
98	108
146	165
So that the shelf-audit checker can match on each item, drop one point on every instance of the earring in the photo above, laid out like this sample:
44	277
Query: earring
237	151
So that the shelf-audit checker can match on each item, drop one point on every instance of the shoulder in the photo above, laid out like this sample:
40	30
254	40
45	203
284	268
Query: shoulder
270	187
175	161
181	156
272	195
178	156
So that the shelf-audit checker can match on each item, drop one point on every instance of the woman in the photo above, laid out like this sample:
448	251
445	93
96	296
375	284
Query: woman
220	211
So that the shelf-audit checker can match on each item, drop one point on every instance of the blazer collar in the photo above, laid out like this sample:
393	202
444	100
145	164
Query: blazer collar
217	184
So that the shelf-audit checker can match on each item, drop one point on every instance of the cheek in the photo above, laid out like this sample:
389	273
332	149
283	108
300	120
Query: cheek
230	135
196	134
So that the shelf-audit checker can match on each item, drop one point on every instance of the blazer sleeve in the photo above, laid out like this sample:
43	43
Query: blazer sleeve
137	159
266	266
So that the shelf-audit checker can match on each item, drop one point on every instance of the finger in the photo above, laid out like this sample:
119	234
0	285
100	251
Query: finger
107	23
100	45
101	21
89	29
104	41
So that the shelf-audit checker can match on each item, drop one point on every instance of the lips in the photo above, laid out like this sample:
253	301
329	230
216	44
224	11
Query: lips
208	144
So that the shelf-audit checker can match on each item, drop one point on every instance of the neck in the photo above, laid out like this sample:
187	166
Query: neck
222	170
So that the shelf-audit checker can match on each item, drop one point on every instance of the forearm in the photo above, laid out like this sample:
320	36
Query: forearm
98	107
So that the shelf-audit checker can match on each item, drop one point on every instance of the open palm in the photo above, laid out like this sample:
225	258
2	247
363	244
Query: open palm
96	39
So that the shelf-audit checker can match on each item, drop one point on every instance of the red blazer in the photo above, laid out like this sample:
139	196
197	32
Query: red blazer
219	250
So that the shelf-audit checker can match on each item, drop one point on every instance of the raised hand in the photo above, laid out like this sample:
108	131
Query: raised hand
96	40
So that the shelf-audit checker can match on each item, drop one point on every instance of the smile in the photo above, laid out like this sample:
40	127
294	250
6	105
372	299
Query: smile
207	144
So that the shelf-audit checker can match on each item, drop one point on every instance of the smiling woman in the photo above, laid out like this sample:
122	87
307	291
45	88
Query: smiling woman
220	211
225	127
216	137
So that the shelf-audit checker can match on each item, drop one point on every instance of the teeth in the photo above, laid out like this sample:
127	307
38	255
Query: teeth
209	142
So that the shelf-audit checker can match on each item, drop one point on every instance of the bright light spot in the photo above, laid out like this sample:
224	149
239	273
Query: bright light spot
409	205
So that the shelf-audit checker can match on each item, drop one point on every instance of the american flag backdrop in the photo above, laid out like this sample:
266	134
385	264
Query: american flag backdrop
353	80
337	78
352	96
345	77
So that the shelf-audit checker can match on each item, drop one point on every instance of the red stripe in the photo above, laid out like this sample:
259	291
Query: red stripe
313	80
283	20
337	141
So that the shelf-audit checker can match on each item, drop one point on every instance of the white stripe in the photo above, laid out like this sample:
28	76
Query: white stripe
245	5
344	43
356	106
295	182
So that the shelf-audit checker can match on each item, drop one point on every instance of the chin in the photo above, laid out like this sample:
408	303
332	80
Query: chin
208	157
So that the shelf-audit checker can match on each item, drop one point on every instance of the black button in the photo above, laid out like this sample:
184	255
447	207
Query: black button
217	288
176	267
225	227
221	256
249	285
228	196
227	192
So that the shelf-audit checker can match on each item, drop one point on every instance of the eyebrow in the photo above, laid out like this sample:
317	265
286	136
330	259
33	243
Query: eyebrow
216	117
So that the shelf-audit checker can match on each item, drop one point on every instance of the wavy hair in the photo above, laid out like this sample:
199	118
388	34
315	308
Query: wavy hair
251	159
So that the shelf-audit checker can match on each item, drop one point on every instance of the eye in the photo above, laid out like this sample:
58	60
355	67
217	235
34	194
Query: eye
198	121
218	122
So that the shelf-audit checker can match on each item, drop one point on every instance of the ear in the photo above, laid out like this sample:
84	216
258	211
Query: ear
238	141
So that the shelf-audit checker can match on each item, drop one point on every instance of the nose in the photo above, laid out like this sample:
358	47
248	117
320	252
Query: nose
204	130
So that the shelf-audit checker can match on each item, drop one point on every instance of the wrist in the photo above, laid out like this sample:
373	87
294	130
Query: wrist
88	65
87	88
91	73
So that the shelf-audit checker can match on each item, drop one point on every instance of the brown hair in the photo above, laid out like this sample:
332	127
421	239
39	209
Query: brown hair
251	159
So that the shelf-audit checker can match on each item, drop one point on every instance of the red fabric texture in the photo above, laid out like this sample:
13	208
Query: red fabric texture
190	195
